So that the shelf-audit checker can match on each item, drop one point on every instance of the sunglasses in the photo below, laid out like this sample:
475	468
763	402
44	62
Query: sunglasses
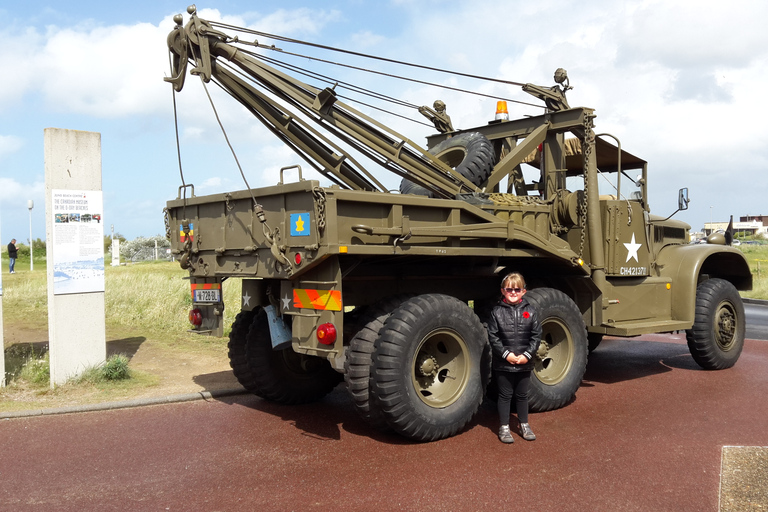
514	290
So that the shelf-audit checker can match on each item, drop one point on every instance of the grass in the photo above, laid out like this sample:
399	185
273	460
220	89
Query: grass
114	369
153	296
757	257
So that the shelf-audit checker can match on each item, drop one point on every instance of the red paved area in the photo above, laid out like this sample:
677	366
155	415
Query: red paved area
645	433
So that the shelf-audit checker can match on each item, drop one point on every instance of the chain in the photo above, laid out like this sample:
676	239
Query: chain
589	140
319	195
167	220
513	200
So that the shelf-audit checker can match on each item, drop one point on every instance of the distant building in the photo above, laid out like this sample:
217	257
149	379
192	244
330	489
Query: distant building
762	219
756	225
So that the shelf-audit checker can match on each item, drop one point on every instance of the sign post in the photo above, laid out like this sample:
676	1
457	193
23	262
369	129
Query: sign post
75	252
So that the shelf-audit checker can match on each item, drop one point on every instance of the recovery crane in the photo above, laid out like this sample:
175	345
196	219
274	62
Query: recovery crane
388	290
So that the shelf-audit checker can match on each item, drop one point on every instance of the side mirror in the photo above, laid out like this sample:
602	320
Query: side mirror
682	201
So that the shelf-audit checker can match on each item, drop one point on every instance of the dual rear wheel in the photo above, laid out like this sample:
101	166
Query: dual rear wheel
281	376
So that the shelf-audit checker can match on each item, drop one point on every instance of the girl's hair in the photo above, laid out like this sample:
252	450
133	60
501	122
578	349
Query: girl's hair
515	279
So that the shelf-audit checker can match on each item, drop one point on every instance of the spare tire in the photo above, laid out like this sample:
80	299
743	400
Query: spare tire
470	154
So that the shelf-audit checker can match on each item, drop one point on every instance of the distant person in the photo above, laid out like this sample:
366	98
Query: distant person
514	331
12	254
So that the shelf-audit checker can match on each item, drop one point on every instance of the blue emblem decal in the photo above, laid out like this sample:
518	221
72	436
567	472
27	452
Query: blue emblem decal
300	224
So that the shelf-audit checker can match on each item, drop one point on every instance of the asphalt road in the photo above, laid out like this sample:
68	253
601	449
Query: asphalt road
757	320
647	431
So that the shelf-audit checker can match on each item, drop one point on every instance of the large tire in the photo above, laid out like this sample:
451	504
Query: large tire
561	360
717	336
431	364
470	154
284	376
238	359
359	361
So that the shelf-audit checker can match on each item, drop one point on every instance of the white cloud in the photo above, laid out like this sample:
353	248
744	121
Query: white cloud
18	56
10	144
303	21
14	193
105	72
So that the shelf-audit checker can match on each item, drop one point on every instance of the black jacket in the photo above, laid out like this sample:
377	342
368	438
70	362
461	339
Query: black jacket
513	328
12	252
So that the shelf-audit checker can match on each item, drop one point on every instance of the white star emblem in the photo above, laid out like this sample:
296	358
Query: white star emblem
246	299
286	302
632	248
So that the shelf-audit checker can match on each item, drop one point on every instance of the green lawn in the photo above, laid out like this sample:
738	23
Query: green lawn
153	297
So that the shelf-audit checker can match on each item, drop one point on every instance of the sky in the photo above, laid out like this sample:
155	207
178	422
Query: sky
678	82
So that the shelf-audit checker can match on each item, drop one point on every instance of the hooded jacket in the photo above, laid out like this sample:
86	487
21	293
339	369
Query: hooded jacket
513	328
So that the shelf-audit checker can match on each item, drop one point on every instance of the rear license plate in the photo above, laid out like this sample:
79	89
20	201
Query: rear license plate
212	295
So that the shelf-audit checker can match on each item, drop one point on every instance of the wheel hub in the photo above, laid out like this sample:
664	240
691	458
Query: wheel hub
726	326
426	365
543	350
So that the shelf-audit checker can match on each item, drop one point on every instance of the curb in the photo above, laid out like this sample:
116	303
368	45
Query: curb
755	301
125	404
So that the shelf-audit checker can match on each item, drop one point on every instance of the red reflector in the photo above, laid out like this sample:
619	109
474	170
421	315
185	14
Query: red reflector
297	258
196	317
326	334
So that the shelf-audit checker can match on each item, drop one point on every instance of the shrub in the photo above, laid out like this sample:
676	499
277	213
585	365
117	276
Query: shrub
116	368
37	369
144	248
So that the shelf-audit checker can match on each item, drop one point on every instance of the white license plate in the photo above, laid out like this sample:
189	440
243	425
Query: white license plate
208	295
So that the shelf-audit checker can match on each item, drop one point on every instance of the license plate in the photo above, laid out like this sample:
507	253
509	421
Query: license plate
213	295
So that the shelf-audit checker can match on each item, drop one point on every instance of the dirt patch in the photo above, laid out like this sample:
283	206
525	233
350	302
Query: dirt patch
161	368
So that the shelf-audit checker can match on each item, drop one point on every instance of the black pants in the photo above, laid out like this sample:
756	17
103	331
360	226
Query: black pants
512	384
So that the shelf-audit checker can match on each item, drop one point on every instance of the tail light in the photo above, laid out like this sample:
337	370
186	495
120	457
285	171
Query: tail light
326	334
196	317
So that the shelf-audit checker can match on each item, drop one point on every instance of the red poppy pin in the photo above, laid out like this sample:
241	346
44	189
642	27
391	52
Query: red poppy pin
526	314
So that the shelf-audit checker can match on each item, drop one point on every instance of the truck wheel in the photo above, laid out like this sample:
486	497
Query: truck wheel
284	376
717	336
431	364
238	360
357	366
561	360
470	154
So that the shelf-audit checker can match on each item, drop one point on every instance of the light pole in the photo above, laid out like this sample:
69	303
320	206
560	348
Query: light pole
30	205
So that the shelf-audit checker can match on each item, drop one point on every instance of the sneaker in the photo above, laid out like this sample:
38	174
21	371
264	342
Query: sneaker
526	432
505	436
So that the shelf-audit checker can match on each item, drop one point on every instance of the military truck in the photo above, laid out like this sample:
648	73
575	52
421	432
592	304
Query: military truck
387	290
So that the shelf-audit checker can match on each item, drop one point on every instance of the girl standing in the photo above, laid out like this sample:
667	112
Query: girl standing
514	332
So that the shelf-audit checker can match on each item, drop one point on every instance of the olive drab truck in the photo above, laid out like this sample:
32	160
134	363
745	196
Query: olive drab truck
387	290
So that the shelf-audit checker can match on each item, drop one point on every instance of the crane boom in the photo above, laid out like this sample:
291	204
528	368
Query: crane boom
215	56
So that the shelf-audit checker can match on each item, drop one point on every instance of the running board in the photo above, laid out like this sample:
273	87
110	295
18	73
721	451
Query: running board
635	328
